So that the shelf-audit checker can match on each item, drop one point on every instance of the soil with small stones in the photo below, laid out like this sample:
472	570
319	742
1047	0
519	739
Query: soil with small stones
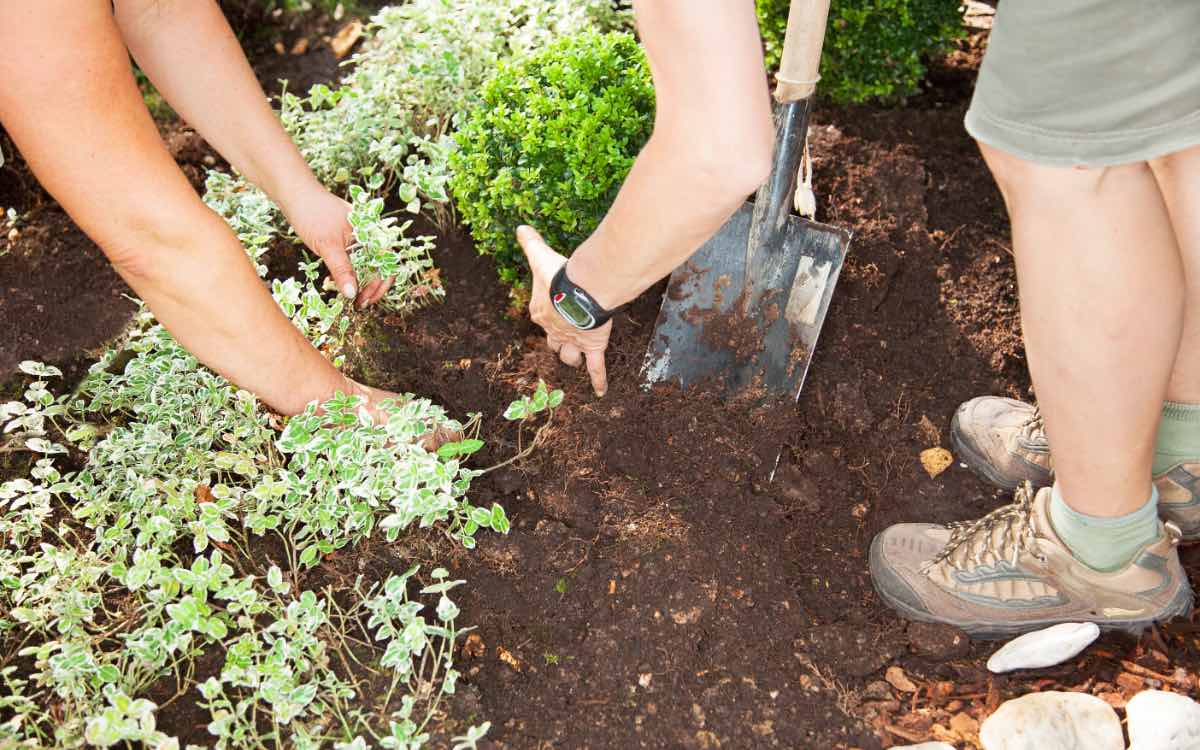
655	590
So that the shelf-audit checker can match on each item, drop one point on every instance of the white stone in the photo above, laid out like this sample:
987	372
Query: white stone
1044	648
1159	720
1062	721
925	746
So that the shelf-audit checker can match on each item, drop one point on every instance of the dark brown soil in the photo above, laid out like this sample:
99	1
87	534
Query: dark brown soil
654	591
59	297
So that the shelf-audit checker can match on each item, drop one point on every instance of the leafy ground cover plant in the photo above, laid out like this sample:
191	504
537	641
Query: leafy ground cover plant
874	49
386	125
166	515
552	140
117	577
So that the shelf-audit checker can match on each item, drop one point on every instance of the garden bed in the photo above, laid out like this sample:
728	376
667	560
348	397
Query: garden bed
654	590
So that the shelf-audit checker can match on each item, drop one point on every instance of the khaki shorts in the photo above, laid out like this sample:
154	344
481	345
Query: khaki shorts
1090	82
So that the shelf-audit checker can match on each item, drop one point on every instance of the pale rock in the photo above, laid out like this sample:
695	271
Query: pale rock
925	746
1044	648
1063	721
1159	720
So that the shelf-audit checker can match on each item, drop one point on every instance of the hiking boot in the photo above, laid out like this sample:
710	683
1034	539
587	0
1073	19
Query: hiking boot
1008	573
1004	441
1179	498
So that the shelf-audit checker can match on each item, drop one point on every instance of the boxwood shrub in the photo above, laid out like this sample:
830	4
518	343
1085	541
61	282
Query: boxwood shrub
874	49
554	137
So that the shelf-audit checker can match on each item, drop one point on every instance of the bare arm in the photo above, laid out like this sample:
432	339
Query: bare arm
71	105
189	53
711	147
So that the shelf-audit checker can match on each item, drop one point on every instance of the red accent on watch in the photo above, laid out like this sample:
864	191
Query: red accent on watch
560	296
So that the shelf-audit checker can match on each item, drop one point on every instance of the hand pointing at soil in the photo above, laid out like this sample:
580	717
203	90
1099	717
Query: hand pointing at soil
683	185
574	346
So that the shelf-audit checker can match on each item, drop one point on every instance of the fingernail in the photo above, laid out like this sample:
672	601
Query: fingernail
350	291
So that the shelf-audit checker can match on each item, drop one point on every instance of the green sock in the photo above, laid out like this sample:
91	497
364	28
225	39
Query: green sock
1104	543
1178	436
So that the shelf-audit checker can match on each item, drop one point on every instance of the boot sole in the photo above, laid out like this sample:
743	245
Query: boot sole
1179	606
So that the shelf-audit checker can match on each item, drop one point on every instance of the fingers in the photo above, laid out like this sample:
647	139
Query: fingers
383	290
570	355
338	262
545	262
367	295
597	372
542	259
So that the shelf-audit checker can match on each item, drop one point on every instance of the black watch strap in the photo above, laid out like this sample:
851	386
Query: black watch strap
576	306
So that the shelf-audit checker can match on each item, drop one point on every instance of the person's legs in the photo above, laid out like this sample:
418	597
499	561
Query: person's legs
1178	179
1002	439
1177	452
1102	298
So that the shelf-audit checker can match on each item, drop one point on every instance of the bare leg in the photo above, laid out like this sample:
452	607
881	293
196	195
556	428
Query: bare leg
1178	177
1102	305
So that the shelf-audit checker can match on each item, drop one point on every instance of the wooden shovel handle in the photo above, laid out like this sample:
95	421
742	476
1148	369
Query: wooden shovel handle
797	77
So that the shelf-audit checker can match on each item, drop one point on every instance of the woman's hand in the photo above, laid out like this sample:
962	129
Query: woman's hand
375	398
574	346
319	218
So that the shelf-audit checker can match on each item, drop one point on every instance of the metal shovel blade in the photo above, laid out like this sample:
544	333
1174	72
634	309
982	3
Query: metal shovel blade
745	311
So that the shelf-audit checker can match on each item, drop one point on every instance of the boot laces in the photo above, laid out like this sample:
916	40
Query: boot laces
1033	429
971	540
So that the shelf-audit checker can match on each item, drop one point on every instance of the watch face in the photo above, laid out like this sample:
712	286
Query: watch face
574	312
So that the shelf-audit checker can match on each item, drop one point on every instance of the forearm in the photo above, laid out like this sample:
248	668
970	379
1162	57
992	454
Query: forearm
70	103
669	205
187	50
203	290
710	148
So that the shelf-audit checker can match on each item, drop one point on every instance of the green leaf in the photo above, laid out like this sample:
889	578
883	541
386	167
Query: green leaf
499	520
482	516
38	369
108	674
308	557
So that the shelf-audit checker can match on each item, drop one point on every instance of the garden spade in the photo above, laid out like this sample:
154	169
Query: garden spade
744	312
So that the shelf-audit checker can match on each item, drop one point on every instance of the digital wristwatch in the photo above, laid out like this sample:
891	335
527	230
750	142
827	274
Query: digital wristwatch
576	306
